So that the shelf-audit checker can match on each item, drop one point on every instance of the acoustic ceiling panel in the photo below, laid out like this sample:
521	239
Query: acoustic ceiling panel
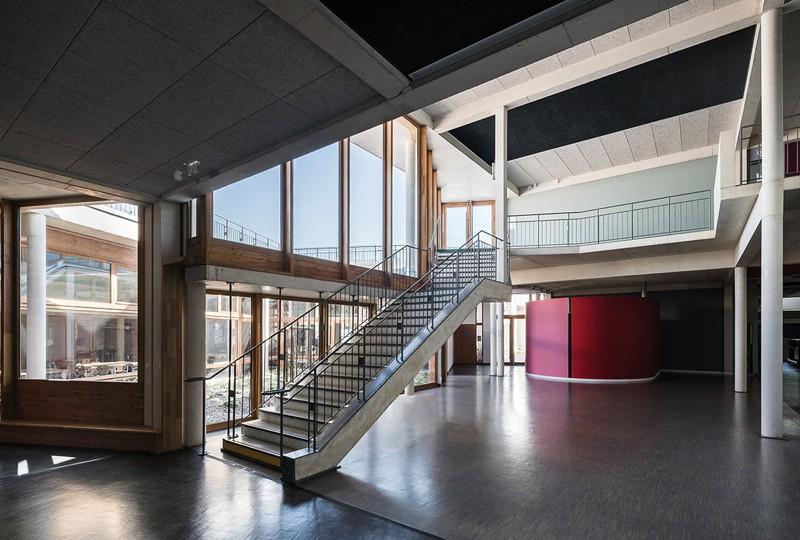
201	25
120	61
692	79
272	55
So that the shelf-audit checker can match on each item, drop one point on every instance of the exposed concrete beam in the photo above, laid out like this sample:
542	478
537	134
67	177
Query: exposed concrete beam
316	22
675	38
691	262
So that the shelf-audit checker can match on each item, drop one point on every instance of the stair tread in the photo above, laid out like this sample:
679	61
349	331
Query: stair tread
263	425
260	445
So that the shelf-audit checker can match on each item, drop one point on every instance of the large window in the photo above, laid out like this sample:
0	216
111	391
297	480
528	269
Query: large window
366	197
404	187
249	211
316	203
228	336
79	290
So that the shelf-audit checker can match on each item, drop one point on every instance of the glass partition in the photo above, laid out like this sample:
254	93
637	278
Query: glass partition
455	226
315	203
249	211
79	292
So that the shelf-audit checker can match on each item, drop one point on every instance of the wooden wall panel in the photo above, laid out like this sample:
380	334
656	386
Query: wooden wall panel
9	313
172	320
234	255
316	268
81	402
137	439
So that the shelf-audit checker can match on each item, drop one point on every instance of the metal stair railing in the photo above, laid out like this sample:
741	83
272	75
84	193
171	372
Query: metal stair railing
293	349
407	314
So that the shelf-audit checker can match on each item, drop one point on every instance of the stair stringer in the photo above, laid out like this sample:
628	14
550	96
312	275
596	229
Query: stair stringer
342	434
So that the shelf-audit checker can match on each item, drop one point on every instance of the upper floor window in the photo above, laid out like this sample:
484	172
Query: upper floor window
366	197
249	211
315	203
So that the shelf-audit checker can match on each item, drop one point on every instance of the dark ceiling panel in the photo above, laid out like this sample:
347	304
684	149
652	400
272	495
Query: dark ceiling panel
68	118
31	149
692	79
274	56
141	145
335	93
161	180
415	33
206	101
264	129
33	33
121	61
201	25
15	88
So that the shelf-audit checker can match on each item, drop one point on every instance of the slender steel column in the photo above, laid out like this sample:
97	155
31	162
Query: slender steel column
771	202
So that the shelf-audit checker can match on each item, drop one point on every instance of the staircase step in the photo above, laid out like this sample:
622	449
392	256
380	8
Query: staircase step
267	431
255	450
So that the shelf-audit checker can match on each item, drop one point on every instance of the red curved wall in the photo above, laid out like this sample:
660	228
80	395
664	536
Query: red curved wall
614	337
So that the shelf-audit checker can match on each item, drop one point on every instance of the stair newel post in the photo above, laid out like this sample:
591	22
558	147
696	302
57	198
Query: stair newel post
205	427
231	368
314	407
280	401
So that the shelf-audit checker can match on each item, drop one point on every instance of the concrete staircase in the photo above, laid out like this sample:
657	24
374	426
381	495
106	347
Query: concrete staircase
323	413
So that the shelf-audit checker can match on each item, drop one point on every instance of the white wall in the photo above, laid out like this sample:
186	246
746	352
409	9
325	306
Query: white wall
661	182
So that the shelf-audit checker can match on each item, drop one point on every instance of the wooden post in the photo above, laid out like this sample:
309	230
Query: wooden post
287	214
344	208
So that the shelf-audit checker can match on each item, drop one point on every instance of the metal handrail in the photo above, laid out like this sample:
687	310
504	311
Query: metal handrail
565	229
311	379
232	422
791	136
242	231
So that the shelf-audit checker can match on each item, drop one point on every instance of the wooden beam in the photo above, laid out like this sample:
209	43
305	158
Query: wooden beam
422	211
8	231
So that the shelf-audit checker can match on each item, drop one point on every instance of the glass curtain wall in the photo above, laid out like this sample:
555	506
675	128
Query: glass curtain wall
316	203
404	189
79	293
223	344
366	197
249	211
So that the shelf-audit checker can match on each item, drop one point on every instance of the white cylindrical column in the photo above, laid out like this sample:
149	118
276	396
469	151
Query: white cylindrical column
34	227
500	199
194	425
486	334
740	329
771	202
500	340
492	341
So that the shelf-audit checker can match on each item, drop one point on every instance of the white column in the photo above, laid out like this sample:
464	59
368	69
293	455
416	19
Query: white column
500	200
500	341
486	333
492	329
411	191
740	329
34	227
771	201
194	364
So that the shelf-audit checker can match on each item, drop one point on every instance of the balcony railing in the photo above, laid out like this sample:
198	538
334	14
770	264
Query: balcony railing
750	151
225	229
683	213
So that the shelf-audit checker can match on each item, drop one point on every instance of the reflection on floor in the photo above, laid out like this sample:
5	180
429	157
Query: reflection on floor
22	460
521	458
175	495
791	386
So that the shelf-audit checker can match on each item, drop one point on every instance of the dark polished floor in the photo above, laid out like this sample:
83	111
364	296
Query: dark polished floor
521	458
176	495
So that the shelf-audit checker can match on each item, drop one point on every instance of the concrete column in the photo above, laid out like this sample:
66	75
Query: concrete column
772	224
194	364
411	189
34	227
500	341
740	329
486	333
491	342
500	199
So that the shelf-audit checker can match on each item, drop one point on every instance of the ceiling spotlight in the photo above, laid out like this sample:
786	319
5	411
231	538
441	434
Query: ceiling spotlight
191	169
